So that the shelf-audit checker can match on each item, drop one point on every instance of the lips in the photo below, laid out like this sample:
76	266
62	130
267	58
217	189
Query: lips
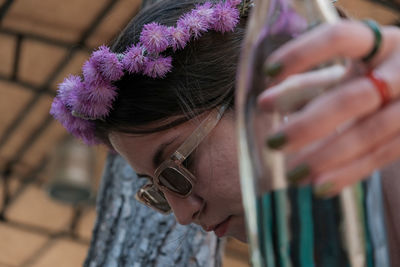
221	228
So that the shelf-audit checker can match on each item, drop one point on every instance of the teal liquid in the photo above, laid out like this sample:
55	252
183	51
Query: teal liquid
286	228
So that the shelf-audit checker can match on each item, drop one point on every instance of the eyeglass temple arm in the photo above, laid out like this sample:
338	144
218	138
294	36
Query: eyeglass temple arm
200	133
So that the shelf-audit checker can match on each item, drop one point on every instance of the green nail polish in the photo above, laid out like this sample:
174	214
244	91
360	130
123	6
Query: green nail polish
298	173
322	190
277	140
273	69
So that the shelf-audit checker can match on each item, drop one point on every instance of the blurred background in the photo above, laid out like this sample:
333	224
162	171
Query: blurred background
46	218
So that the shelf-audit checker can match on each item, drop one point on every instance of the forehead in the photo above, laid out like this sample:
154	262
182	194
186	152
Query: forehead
139	150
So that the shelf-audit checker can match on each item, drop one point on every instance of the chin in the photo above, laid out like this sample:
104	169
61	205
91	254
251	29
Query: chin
238	230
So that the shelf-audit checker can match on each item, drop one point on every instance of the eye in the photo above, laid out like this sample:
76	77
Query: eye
189	162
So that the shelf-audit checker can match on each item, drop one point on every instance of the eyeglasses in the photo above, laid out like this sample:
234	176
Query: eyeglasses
172	176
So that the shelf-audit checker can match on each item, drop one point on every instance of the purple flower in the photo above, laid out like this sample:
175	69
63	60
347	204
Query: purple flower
95	102
205	12
93	71
179	37
134	59
67	90
234	3
227	17
194	23
154	37
106	63
76	126
85	132
91	74
59	111
158	67
88	136
90	110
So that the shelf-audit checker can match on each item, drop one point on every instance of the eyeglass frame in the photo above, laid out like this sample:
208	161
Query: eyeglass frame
176	159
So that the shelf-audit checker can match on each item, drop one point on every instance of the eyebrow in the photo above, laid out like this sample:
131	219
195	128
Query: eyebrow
160	151
158	156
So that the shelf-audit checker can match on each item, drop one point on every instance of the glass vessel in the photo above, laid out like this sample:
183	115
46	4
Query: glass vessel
289	226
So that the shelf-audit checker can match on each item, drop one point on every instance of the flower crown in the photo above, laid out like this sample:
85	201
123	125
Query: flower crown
81	100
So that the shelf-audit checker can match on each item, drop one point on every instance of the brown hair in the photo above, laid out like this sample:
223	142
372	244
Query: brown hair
203	75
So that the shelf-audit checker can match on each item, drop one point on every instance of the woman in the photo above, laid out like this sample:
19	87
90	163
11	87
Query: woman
163	99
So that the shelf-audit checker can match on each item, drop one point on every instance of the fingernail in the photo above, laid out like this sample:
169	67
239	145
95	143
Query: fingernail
272	69
298	173
323	189
276	141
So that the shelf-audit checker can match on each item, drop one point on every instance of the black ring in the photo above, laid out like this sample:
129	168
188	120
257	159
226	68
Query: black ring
377	42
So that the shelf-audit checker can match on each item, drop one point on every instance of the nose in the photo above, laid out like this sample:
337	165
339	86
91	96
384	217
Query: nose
185	209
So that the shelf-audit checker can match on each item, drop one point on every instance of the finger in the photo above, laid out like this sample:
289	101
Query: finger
348	102
299	89
326	113
333	182
352	143
345	39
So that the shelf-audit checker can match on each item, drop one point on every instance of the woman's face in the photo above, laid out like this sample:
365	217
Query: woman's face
215	202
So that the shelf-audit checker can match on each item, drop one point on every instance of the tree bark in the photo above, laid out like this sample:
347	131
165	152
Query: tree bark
127	233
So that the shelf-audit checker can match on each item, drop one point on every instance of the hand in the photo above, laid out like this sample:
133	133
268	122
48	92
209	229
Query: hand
345	133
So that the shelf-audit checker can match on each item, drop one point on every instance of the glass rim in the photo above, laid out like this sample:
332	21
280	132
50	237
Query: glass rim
187	147
182	170
146	189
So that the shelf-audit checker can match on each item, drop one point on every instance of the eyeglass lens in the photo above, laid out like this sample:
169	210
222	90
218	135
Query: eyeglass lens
155	198
175	181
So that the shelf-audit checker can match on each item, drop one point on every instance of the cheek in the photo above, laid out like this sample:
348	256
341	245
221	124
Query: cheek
218	176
